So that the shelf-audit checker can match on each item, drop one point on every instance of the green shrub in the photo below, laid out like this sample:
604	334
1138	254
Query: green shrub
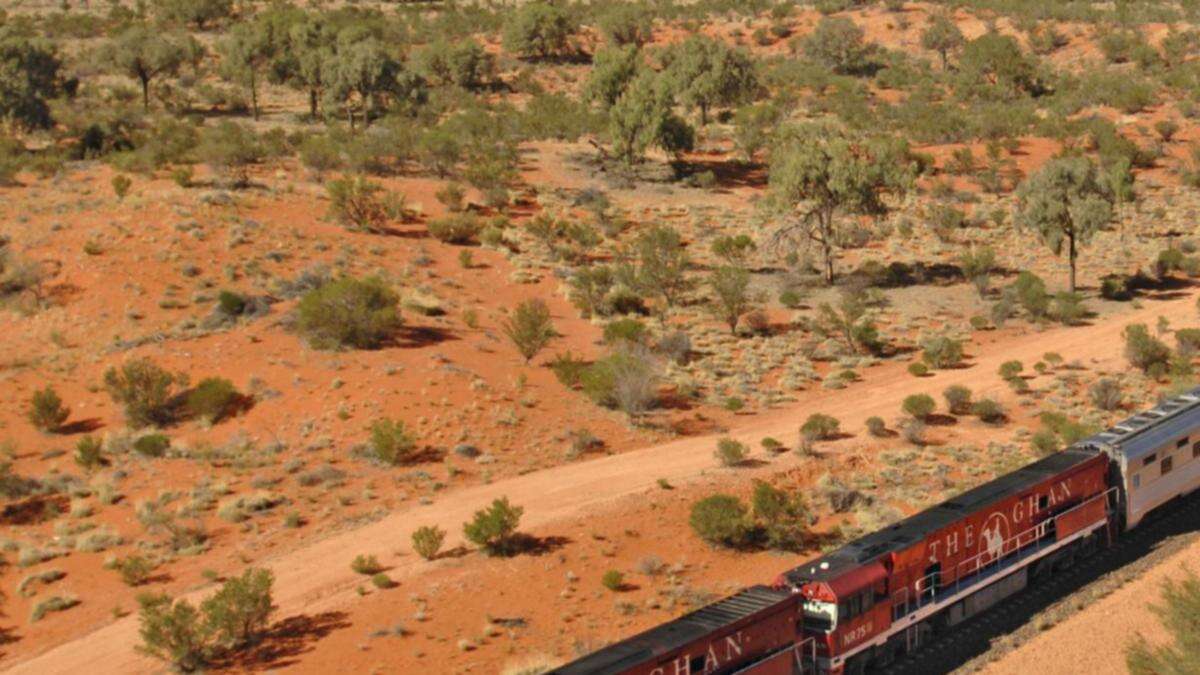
230	148
391	442
1105	394
173	631
1030	293
348	312
427	541
89	453
231	303
538	29
942	352
627	331
613	580
54	603
145	390
772	445
1188	340
1010	369
213	399
356	203
918	369
988	411
382	581
46	410
820	427
134	570
1044	442
958	399
495	527
120	185
1144	351
1116	287
918	406
152	445
721	520
238	613
876	426
730	452
782	519
365	565
455	228
529	328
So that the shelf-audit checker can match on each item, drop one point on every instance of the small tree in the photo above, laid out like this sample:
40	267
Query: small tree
731	294
612	70
661	264
494	528
720	520
627	23
145	390
46	410
643	117
530	328
391	442
706	73
230	149
1144	351
199	13
783	517
355	202
538	29
172	631
238	613
348	312
146	53
427	541
838	43
942	36
29	78
849	323
1066	202
942	352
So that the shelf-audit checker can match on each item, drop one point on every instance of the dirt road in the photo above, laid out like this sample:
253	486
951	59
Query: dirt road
318	578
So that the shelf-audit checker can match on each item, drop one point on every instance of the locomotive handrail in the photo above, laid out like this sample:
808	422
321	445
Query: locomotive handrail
927	586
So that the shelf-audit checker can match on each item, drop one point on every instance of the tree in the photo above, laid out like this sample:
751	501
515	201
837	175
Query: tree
195	12
706	73
661	263
29	76
993	67
643	117
942	36
145	53
753	126
627	23
1066	202
462	63
493	528
849	323
530	328
1180	616
366	74
839	44
731	291
348	312
238	613
538	29
248	49
819	175
145	390
613	69
302	63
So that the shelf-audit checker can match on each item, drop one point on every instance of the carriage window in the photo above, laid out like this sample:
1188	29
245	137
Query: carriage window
1181	442
1167	465
1150	459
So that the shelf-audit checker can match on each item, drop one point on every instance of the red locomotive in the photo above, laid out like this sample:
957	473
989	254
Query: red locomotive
885	594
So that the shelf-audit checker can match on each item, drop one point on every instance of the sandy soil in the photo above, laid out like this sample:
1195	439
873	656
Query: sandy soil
315	578
1093	641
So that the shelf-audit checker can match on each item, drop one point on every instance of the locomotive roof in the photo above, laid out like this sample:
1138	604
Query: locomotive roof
920	525
668	637
1151	429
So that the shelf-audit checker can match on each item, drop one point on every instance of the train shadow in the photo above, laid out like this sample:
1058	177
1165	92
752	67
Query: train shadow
977	637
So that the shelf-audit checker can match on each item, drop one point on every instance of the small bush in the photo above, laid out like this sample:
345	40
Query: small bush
89	453
391	442
456	228
1143	350
624	331
1105	394
382	581
427	541
613	580
730	452
988	411
54	603
942	352
1044	442
958	399
1116	287
46	410
134	570
145	390
173	631
876	427
213	399
152	445
365	565
626	380
230	303
356	203
721	520
918	369
529	328
238	613
348	312
493	528
1010	369
820	427
918	406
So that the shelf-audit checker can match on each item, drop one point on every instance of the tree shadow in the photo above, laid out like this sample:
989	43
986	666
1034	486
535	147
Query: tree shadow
86	426
35	509
528	544
940	420
422	336
284	641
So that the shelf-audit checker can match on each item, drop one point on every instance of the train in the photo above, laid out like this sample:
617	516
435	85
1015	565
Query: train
884	595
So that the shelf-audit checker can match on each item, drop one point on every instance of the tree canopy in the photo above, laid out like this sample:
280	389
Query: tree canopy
29	77
706	73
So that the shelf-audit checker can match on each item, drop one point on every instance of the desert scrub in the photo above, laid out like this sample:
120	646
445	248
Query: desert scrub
876	427
54	603
152	445
427	541
958	399
730	452
366	565
529	328
988	411
358	204
213	399
942	352
918	406
145	390
28	586
349	312
89	453
613	580
456	228
46	410
391	442
134	570
820	427
494	529
720	520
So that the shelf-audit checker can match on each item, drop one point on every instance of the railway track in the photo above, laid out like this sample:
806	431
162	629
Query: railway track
968	646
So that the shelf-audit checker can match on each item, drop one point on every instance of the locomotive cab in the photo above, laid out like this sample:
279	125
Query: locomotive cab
843	606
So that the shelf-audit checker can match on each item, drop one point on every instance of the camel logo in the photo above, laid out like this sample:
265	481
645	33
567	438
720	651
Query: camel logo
993	535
